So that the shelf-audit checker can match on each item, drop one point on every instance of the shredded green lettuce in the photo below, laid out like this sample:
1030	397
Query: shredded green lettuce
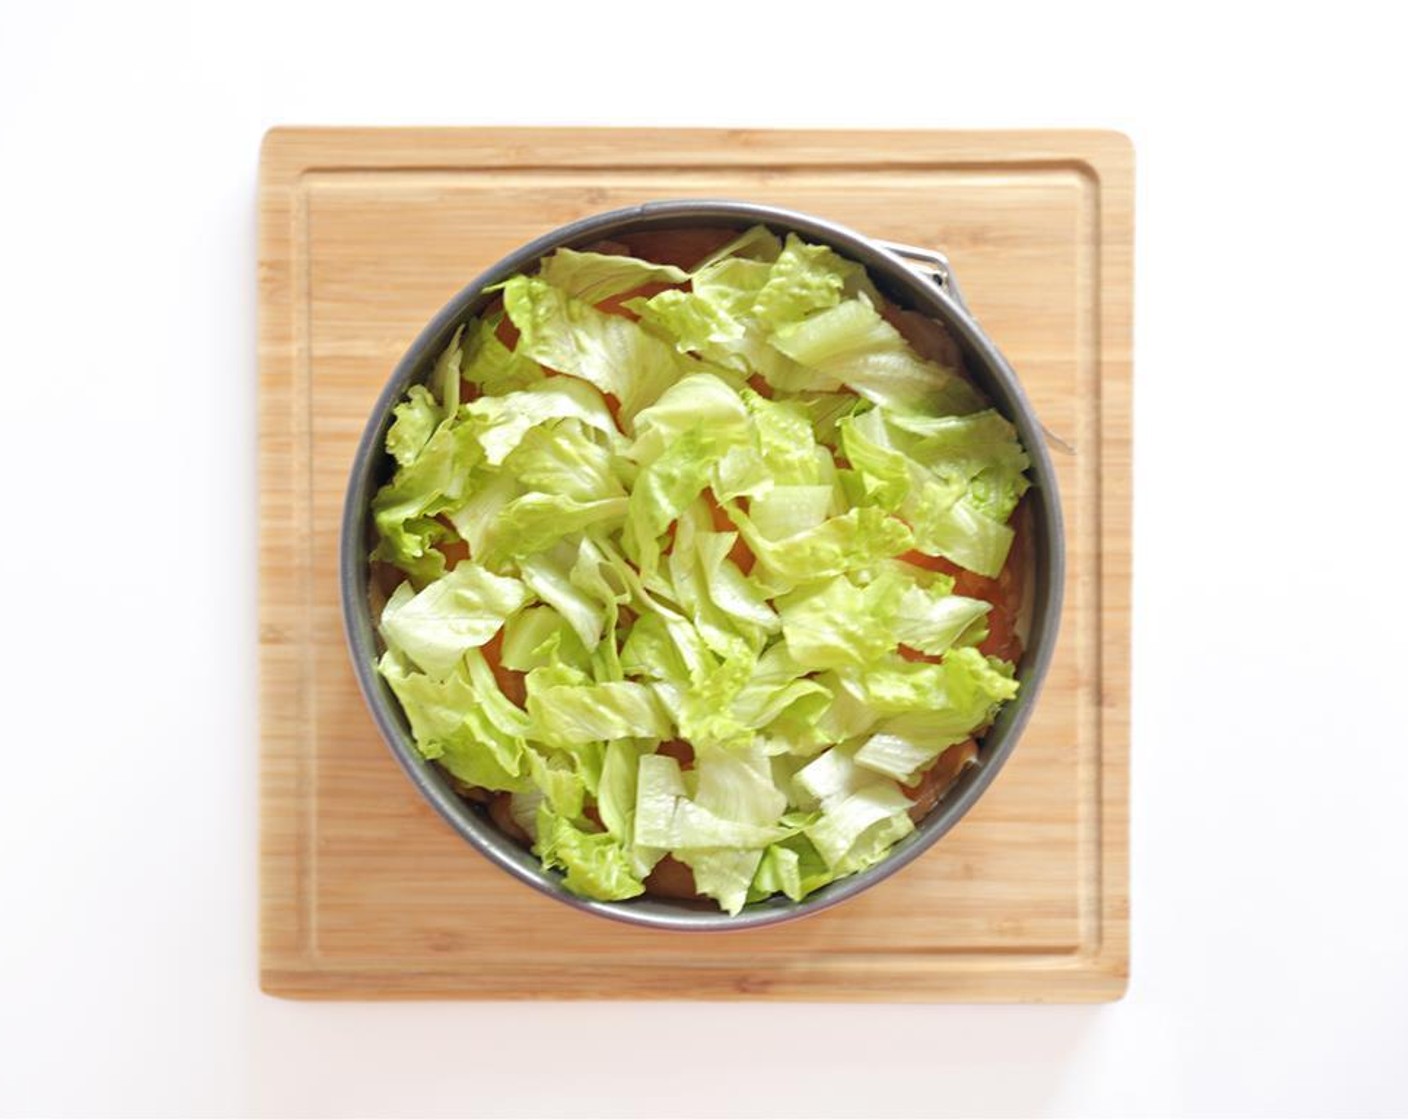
668	566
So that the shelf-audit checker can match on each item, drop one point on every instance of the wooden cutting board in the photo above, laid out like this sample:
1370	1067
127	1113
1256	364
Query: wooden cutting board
364	235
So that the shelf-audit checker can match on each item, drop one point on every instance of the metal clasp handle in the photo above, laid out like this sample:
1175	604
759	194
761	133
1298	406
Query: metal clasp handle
933	264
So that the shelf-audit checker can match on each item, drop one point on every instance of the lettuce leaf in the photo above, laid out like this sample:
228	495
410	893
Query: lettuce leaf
457	612
491	366
931	620
804	279
852	344
505	420
564	715
536	521
724	874
861	813
858	538
596	863
416	419
700	403
950	698
842	623
595	277
955	480
695	325
610	352
440	477
668	817
464	724
781	512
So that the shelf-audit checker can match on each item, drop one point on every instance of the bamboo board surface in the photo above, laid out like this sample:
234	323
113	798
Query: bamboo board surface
364	235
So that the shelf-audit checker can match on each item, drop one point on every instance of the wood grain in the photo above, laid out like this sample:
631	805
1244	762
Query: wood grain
364	234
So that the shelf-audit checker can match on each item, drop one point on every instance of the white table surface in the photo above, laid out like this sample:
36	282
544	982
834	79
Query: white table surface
1270	929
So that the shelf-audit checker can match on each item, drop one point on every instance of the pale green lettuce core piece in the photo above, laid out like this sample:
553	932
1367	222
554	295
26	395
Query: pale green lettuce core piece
595	277
861	813
901	758
692	537
931	620
454	614
564	714
786	511
854	345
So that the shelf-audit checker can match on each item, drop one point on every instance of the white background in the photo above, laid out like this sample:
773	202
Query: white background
1270	971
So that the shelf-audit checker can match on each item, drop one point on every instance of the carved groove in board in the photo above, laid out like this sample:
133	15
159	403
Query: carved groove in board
1084	531
302	399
